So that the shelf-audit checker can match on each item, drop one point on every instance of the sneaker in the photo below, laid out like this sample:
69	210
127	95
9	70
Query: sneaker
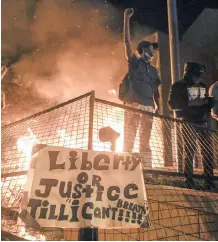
190	183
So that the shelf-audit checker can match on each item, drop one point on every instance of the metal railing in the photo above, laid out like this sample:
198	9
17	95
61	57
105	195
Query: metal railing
177	213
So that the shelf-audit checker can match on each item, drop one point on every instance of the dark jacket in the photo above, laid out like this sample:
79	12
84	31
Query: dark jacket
181	93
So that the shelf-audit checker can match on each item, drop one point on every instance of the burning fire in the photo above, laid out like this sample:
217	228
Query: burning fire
25	145
116	120
65	139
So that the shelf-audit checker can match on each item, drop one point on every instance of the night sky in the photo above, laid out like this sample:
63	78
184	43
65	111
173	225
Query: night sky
153	13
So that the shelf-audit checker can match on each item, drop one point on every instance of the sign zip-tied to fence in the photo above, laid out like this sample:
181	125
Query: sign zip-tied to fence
75	188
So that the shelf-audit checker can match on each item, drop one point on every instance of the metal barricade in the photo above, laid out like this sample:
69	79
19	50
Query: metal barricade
177	213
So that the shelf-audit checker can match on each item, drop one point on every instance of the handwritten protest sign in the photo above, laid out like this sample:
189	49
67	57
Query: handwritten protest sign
74	188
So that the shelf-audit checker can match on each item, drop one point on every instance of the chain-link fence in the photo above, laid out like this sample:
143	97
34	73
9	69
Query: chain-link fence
167	147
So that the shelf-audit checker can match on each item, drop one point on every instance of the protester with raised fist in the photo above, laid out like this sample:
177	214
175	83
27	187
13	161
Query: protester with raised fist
139	89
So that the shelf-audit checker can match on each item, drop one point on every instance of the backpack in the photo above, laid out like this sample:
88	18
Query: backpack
124	88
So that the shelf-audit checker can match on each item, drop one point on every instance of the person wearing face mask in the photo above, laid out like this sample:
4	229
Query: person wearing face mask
139	89
190	100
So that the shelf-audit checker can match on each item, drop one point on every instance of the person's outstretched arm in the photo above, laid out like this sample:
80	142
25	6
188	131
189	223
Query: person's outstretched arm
126	32
3	71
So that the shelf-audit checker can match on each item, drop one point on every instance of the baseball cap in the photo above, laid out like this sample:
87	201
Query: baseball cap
194	67
145	44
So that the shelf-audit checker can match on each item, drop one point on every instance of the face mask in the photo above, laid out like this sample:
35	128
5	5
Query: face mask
148	56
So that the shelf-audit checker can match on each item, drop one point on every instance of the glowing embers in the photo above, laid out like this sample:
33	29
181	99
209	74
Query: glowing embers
112	92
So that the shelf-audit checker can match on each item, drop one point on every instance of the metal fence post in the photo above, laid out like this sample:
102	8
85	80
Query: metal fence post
91	117
89	234
175	67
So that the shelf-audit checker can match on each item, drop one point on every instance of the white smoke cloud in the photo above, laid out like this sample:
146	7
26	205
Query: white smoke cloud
69	45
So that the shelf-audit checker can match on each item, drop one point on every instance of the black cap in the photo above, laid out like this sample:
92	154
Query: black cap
194	67
145	44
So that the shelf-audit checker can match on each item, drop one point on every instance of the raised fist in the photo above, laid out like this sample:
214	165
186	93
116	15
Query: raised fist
129	12
3	71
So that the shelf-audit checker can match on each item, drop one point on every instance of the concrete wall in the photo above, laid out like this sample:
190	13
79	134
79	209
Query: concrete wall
203	33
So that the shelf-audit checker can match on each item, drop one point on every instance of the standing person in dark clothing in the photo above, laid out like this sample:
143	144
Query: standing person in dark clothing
189	98
139	89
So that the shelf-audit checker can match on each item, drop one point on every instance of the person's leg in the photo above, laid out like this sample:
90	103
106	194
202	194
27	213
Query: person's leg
131	121
145	132
189	147
145	127
207	155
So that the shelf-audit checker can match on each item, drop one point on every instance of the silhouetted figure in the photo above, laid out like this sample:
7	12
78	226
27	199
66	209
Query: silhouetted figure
139	89
189	98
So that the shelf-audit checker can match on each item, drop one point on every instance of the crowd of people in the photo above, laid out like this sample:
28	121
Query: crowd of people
189	97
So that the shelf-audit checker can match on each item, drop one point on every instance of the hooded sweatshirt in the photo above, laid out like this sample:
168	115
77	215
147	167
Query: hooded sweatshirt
184	91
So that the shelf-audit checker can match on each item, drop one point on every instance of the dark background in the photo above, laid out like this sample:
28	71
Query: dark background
153	13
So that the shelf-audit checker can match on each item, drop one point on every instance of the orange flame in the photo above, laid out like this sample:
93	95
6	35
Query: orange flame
25	145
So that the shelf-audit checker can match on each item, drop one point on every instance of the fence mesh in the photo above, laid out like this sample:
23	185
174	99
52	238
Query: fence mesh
176	212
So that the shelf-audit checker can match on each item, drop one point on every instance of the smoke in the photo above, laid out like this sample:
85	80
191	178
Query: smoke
62	49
